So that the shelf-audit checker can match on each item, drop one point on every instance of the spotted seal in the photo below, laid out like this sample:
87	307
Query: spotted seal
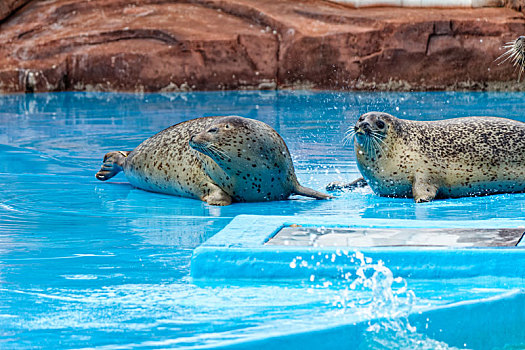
458	157
219	160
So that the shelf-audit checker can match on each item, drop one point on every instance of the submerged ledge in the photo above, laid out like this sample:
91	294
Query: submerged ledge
154	45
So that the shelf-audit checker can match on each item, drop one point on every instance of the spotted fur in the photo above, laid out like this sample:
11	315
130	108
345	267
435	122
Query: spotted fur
216	159
449	158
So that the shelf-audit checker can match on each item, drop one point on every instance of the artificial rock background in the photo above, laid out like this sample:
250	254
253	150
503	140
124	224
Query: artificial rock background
162	45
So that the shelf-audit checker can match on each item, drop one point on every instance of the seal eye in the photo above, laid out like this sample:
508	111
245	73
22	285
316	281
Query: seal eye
227	126
380	124
213	130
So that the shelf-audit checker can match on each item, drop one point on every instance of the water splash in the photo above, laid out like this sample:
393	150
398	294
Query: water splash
383	299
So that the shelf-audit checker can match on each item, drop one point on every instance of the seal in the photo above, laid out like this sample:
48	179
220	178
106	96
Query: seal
458	157
219	160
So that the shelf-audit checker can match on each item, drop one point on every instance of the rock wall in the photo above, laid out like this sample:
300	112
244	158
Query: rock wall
162	45
7	7
518	5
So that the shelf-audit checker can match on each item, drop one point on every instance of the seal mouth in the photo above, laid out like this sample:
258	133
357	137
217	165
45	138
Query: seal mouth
357	132
369	140
361	132
193	144
363	129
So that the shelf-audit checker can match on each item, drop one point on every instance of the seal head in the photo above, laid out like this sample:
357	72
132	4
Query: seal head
370	132
376	143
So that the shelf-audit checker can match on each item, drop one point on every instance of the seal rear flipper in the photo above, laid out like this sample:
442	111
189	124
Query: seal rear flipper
339	186
113	162
308	192
216	196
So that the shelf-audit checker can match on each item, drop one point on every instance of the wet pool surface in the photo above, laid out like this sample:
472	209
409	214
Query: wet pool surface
90	264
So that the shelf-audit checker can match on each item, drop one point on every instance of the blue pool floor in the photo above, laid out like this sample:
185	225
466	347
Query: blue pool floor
88	264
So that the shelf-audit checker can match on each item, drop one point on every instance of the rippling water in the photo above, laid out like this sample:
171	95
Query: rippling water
85	263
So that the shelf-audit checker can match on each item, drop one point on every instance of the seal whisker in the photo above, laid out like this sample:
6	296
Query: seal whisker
375	134
349	132
377	144
515	53
377	137
510	54
218	152
206	151
369	147
349	137
377	141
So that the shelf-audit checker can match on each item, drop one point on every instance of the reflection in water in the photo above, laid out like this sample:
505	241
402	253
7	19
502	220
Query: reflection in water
104	264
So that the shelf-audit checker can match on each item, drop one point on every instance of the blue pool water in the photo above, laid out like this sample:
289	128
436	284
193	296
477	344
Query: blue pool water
88	264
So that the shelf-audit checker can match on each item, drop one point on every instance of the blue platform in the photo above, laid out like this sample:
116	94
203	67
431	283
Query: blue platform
239	251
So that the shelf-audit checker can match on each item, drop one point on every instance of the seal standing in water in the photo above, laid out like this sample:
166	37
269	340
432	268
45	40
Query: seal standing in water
219	160
449	158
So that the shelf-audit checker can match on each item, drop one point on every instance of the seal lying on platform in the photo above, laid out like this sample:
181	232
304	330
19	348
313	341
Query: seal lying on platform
216	159
449	158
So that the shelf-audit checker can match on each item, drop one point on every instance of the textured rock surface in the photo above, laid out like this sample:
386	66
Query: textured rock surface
518	5
9	6
161	45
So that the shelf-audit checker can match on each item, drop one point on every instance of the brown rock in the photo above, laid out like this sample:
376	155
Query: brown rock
518	5
160	45
7	7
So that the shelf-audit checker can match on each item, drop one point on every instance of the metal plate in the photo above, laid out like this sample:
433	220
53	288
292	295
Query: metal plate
396	237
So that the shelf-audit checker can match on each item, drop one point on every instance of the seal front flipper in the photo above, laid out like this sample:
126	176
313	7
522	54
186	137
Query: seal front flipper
113	162
424	189
308	192
216	196
339	186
